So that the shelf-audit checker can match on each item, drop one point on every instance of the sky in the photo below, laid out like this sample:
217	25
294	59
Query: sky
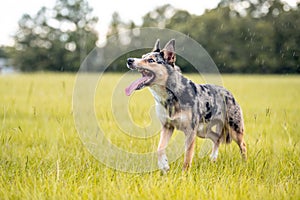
11	11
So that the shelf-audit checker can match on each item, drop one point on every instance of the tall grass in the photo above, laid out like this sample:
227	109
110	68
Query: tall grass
42	157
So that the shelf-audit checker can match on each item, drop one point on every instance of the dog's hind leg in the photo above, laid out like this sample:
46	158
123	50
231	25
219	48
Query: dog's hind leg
165	136
215	136
240	141
236	128
189	149
238	137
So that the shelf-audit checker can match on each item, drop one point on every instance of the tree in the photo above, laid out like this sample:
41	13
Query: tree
55	39
3	53
158	17
246	36
179	20
287	41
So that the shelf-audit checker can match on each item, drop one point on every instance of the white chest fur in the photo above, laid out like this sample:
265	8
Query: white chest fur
160	95
180	119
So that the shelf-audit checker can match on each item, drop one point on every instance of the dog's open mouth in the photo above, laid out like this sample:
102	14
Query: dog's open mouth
147	77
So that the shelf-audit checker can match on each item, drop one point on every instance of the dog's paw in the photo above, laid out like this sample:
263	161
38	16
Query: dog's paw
213	158
164	171
163	164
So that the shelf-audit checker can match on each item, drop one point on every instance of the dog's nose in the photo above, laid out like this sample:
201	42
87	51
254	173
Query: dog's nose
130	61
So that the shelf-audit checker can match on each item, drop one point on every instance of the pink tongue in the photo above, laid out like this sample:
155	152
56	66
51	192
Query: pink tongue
133	86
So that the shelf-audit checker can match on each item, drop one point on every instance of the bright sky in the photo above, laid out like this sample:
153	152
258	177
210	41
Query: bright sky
12	10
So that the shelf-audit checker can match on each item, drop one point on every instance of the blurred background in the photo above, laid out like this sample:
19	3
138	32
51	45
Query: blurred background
250	36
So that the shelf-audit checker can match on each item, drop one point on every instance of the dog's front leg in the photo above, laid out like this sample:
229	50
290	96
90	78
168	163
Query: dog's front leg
165	136
189	149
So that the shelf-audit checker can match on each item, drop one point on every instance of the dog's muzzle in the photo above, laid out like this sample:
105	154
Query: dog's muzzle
130	62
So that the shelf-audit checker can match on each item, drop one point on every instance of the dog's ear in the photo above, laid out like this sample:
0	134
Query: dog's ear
169	52
156	47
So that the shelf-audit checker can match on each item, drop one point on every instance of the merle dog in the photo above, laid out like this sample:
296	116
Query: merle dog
203	110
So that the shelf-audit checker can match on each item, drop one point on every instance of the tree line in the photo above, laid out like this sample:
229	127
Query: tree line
240	36
261	36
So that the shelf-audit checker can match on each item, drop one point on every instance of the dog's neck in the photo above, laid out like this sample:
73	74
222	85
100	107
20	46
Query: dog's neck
167	92
160	93
178	91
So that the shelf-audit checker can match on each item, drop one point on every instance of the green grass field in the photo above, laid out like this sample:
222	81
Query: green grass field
42	156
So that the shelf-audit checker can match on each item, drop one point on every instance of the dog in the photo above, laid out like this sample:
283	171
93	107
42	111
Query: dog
203	110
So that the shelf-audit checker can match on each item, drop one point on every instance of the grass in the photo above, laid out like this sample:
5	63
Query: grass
42	156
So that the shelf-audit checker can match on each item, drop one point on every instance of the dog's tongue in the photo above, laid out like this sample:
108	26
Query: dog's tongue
133	86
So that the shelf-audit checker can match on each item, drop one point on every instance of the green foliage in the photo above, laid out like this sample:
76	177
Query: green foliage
241	37
249	39
287	39
55	39
3	53
158	17
42	156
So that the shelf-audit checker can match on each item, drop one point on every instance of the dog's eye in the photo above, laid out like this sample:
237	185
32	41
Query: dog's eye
151	60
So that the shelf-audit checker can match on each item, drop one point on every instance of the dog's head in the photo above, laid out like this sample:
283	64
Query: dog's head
154	67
